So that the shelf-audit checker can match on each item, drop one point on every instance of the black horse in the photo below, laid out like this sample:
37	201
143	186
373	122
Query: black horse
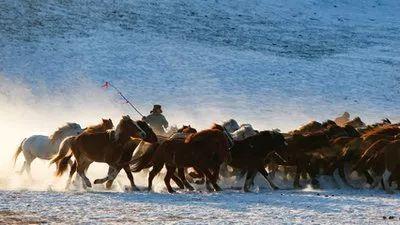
250	155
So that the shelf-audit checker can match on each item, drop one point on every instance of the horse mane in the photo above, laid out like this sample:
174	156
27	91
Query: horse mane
217	127
100	127
328	123
60	131
150	135
383	129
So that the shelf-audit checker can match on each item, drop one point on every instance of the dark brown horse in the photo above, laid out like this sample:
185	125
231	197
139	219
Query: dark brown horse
250	155
204	151
107	147
150	141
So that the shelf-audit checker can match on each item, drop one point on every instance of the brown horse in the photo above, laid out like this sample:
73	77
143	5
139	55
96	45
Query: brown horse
383	159
352	152
299	153
105	125
204	151
65	146
150	141
107	147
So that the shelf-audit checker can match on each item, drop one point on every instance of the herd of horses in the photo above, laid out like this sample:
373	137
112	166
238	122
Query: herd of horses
315	149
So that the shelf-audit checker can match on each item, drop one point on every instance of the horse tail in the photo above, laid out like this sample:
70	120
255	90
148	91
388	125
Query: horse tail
62	165
64	149
143	161
19	150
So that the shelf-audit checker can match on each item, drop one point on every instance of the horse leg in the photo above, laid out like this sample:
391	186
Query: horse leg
130	177
385	180
212	179
111	177
81	167
370	179
167	178
102	180
28	168
156	169
342	174
71	173
27	164
200	172
265	175
216	173
296	182
312	171
22	168
181	174
177	181
249	180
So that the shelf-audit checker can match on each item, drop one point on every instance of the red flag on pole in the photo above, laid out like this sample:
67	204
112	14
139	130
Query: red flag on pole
105	85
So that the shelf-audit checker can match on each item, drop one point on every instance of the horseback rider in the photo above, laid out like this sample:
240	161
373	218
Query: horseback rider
156	120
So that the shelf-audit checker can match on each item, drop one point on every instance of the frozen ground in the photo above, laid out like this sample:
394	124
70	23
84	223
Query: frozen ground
280	207
274	64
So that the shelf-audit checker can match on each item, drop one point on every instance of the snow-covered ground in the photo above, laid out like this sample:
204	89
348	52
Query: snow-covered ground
274	64
280	207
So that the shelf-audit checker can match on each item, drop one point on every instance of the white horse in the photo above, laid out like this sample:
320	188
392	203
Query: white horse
231	126
171	130
44	147
245	131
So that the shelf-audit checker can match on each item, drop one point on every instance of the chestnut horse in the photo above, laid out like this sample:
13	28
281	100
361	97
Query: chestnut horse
107	147
204	151
150	141
65	146
356	148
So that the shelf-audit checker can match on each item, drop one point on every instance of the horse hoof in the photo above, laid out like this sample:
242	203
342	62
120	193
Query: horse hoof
134	188
97	181
199	181
108	185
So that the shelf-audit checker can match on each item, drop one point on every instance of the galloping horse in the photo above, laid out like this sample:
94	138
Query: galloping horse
204	151
251	154
107	147
44	147
65	146
136	144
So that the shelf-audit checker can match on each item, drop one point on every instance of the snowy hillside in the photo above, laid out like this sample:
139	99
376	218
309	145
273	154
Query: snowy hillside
274	64
259	61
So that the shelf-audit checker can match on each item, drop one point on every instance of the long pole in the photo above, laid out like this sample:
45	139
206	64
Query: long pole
108	84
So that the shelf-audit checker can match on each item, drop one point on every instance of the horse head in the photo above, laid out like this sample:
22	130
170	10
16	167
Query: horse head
127	128
70	129
107	124
226	133
187	130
